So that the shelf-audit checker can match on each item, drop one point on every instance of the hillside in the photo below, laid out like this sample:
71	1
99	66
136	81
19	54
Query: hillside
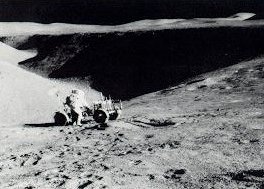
27	97
128	64
12	55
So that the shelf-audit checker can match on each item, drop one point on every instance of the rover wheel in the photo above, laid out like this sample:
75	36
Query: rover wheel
60	119
100	116
115	115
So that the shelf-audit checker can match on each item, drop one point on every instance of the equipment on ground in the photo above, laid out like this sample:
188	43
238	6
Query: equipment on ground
101	112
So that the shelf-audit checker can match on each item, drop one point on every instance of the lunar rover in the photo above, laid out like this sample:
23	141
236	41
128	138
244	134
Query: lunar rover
101	112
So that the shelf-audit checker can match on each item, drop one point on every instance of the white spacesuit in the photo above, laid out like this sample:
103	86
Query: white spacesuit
76	102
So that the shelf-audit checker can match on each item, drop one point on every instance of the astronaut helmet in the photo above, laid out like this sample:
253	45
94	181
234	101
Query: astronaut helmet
78	92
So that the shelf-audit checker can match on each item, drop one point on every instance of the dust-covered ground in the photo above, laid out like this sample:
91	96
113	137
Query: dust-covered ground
205	133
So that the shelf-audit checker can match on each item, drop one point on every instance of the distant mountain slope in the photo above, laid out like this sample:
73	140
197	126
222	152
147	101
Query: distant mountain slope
27	97
129	64
31	28
12	55
53	51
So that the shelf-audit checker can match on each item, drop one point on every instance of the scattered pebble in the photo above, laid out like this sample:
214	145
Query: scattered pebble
174	173
151	177
149	136
85	184
137	162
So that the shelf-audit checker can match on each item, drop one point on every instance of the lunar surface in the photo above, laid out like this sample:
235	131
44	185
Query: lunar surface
205	132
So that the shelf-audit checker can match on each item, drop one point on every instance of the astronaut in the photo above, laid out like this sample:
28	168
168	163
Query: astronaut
76	102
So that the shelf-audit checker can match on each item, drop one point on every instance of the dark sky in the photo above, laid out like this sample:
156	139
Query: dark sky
121	11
